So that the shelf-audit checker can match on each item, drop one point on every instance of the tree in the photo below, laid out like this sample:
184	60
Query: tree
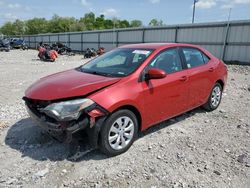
78	26
15	28
100	22
37	25
154	22
136	23
123	23
19	27
7	29
108	24
59	24
89	20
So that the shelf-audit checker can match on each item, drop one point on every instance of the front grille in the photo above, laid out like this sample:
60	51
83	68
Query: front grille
36	105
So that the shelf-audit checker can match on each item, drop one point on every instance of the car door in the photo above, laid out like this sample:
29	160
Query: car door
166	97
200	77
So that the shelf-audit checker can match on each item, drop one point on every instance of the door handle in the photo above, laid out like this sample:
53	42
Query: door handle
211	69
183	78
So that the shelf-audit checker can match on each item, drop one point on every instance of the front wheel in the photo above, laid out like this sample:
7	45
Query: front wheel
118	133
214	98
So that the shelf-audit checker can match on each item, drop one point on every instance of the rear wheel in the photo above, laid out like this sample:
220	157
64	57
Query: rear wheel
214	98
118	133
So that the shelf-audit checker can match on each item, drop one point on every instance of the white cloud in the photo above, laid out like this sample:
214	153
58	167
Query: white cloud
241	1
231	3
154	1
14	6
110	12
8	17
85	3
205	4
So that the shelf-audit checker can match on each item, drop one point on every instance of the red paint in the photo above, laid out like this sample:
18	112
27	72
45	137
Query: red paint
155	73
67	84
155	99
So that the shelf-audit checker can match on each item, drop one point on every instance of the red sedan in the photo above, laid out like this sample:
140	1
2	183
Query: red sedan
127	90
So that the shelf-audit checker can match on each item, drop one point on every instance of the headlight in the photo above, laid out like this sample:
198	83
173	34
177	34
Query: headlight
68	110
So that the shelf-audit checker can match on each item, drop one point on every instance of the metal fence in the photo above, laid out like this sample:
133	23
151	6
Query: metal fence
229	41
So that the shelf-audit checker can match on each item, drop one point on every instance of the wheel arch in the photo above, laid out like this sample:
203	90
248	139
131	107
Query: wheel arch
221	83
135	111
94	133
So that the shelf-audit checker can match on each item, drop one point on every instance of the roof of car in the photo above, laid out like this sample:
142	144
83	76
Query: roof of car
154	45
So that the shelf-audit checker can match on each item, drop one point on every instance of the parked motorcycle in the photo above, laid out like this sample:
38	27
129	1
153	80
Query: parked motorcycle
62	49
44	45
100	51
47	54
90	53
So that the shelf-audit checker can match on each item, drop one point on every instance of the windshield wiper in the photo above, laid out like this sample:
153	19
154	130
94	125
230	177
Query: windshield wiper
98	73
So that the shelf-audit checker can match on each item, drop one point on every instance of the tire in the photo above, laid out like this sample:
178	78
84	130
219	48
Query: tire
214	98
112	136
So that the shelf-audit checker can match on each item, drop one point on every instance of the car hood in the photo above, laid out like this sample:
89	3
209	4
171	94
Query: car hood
67	84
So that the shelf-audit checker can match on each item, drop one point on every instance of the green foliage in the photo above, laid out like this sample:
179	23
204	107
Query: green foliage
89	21
155	22
59	24
36	25
15	28
136	23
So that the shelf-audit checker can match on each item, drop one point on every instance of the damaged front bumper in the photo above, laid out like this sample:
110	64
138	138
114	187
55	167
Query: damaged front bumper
63	130
59	127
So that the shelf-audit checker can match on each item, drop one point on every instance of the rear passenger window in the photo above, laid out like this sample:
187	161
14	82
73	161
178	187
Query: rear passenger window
194	57
205	58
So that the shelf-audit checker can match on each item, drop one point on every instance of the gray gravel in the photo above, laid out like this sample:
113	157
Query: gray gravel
197	149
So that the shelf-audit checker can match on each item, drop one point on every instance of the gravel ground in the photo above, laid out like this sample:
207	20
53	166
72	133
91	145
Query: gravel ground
196	149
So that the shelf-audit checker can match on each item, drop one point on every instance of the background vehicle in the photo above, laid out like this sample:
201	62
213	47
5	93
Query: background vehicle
4	45
18	43
127	90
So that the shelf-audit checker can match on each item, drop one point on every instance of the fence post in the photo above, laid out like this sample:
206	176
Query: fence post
117	38
176	34
225	42
99	39
49	39
35	42
58	37
29	40
69	39
143	35
82	42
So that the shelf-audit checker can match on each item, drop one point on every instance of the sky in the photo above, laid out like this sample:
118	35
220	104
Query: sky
169	11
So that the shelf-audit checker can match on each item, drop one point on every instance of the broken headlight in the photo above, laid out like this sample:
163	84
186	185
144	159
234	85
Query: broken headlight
68	110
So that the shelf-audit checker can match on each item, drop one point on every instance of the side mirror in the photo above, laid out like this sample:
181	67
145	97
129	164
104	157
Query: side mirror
155	73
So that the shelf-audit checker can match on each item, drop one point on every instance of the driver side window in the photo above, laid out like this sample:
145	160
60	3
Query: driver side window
168	60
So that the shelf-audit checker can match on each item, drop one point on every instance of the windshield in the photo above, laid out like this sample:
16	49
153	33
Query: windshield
117	63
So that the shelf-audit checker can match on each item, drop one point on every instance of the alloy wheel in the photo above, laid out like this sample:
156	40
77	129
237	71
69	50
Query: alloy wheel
216	96
121	133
